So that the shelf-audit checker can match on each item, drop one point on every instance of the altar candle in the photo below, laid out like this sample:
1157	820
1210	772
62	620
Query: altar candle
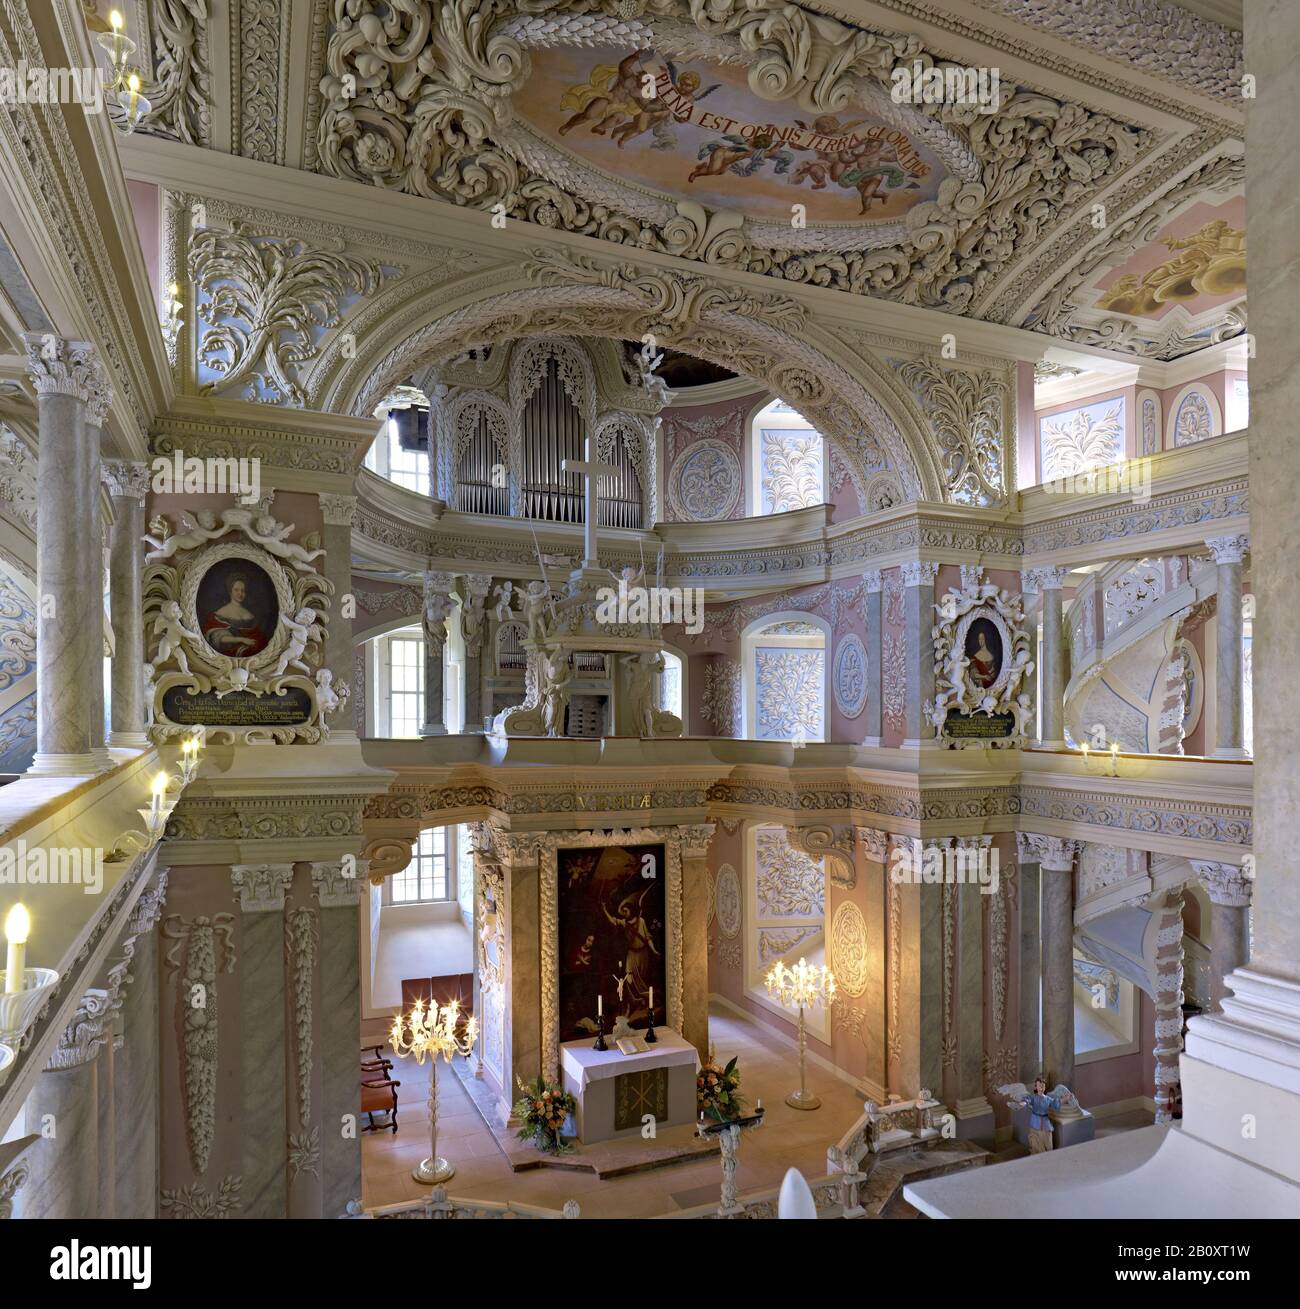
652	999
18	925
600	1006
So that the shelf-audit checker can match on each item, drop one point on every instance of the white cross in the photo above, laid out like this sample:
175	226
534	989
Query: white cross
591	470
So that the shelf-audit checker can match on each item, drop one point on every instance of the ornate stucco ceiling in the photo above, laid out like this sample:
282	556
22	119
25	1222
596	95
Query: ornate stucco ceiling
695	128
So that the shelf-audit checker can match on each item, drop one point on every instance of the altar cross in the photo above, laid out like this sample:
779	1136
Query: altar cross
591	470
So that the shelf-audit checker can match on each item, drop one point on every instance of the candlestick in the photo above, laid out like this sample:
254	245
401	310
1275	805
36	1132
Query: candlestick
18	926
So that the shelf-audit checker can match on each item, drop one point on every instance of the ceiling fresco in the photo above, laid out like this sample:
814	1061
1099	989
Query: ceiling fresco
695	130
1198	263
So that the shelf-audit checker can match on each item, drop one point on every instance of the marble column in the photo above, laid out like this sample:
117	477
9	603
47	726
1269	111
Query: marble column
1056	861
438	608
338	892
64	1111
128	485
1249	1054
136	1070
1051	711
338	512
97	405
1229	890
875	908
1031	962
974	1112
264	1041
69	648
916	1017
520	862
473	618
1228	552
695	938
918	581
872	585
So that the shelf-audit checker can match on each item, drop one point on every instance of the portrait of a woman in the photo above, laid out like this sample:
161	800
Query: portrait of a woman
984	651
235	604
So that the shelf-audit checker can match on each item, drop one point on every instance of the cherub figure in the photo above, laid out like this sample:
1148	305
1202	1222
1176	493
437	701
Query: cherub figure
505	594
535	604
327	697
172	633
302	627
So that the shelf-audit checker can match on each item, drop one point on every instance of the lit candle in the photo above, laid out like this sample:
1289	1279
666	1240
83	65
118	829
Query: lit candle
159	790
18	925
1084	748
115	20
133	85
600	1006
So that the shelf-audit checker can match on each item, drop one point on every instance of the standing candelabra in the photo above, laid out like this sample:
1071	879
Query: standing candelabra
802	987
433	1030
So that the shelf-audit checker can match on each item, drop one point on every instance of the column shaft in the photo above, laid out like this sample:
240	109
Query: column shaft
1031	978
128	485
1058	975
340	1034
1053	706
695	939
136	1087
875	644
1229	735
918	580
338	512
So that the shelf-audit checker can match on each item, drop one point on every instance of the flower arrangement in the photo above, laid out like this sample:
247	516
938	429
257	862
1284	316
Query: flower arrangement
717	1091
542	1110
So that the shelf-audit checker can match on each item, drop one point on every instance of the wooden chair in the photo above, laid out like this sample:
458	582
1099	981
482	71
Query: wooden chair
374	1062
379	1096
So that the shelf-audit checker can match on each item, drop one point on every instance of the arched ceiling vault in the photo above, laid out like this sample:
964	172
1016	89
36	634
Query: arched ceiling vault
766	337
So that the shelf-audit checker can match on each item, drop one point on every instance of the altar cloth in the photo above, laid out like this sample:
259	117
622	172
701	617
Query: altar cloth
617	1093
584	1064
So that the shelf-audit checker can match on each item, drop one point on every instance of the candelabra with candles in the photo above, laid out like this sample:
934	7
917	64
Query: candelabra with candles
132	106
432	1030
802	987
159	809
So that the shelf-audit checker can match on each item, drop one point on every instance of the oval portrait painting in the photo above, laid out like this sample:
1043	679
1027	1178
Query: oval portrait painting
984	650
237	608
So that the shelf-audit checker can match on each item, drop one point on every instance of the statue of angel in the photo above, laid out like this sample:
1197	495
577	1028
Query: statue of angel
557	675
172	633
302	627
194	532
504	593
535	604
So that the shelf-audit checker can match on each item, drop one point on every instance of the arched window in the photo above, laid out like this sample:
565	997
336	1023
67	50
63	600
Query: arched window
396	453
787	462
784	660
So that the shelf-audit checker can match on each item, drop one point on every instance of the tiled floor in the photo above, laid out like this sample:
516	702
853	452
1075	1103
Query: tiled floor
788	1137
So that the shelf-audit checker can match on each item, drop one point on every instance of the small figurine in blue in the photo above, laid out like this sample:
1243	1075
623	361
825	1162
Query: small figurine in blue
1040	1126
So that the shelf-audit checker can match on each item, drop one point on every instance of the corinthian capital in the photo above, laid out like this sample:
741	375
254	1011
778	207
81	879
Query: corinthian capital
1229	549
59	366
126	479
920	572
338	510
1054	853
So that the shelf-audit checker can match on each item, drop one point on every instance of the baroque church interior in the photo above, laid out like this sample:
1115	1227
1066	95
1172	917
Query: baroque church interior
647	609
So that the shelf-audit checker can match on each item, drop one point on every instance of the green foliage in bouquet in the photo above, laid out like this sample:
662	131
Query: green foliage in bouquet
717	1091
542	1110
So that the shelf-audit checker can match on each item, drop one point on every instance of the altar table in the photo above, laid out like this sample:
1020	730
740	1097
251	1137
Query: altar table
615	1091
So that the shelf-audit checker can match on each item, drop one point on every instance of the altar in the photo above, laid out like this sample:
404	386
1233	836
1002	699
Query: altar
615	1091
